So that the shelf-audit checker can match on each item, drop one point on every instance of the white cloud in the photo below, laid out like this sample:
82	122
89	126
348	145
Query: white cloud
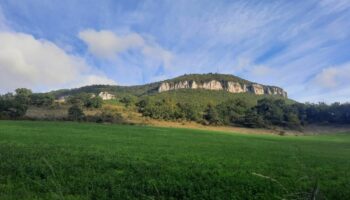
333	77
107	45
29	62
328	85
261	70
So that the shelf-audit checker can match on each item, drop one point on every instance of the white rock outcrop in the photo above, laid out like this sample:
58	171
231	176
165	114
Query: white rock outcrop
164	87
235	87
229	86
257	89
212	85
106	96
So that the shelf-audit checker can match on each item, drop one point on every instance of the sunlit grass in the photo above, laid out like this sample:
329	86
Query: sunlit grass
64	160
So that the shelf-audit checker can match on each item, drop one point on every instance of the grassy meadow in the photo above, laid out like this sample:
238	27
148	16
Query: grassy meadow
66	160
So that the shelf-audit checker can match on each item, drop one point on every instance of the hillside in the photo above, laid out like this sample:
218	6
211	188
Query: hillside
209	99
229	83
203	97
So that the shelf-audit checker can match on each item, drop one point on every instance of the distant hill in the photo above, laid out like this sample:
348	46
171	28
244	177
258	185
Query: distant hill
218	82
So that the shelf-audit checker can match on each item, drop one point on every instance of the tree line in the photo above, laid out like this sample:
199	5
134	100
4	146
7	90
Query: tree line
15	105
267	112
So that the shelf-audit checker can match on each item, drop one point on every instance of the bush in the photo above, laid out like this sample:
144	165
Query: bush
165	109
13	106
253	120
107	117
188	112
23	95
292	121
75	113
86	99
128	100
94	102
41	99
211	115
232	111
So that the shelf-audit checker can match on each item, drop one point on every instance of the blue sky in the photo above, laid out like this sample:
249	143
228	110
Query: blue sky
302	46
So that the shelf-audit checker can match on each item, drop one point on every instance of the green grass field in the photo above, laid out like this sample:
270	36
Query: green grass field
63	160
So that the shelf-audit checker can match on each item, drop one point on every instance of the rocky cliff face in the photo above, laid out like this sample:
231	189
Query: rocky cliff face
229	86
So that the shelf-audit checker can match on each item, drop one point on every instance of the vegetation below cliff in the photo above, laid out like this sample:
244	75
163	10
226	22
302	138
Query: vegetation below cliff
206	107
201	105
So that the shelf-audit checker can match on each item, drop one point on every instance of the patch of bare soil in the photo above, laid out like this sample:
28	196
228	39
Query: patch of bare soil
193	125
320	129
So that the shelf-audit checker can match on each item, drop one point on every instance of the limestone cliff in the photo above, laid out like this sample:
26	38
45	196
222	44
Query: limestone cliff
229	86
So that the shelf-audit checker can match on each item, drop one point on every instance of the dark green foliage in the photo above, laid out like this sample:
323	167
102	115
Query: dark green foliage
300	109
116	90
240	109
41	99
244	109
211	115
128	100
335	113
252	119
93	102
292	120
80	99
190	112
64	160
106	117
277	112
23	96
168	109
162	109
202	97
14	106
87	100
75	113
23	92
271	111
233	111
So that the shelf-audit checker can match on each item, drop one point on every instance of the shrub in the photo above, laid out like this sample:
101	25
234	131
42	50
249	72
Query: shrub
41	99
94	102
128	100
253	120
188	111
107	117
232	111
12	106
75	113
23	95
211	115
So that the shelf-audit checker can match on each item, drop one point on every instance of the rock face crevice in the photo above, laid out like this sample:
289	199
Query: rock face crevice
229	86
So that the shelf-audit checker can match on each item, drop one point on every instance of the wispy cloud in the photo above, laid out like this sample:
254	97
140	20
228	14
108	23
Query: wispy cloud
333	77
130	51
284	43
3	23
106	44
